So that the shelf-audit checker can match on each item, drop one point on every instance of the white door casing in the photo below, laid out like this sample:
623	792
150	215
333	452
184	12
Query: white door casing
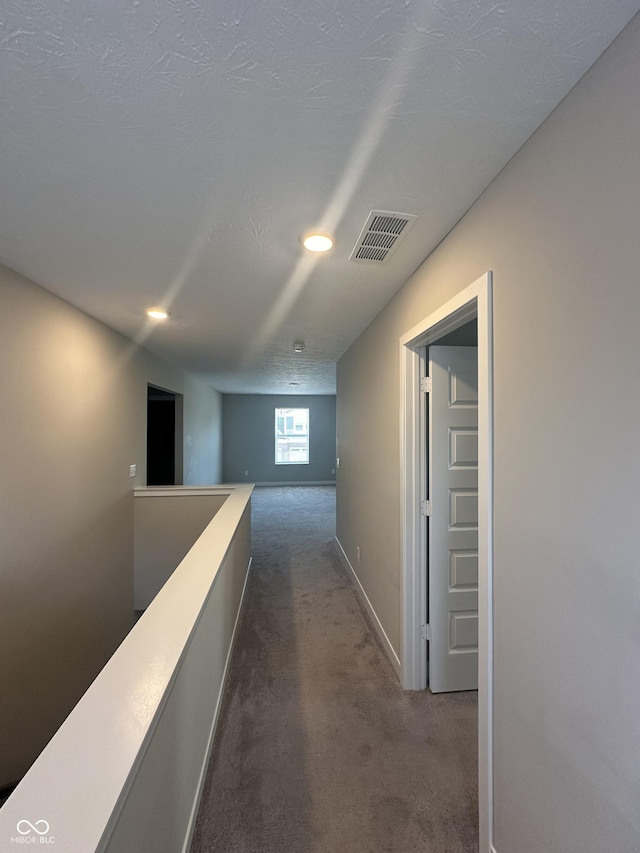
474	301
452	565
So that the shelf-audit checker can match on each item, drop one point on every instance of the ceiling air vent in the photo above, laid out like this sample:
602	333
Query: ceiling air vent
381	234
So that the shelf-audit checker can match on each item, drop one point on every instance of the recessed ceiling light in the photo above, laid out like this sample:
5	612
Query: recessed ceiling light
157	314
298	346
293	384
317	243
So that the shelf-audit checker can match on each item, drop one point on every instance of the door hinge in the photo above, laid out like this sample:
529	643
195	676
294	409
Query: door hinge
425	508
425	632
425	384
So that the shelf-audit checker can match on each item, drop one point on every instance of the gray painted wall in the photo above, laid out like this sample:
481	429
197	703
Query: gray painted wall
165	529
248	438
72	421
559	229
202	433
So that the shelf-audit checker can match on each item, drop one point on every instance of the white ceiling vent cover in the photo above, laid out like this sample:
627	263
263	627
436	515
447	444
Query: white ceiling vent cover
382	233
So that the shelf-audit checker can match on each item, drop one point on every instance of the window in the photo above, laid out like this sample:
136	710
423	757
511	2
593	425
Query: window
292	436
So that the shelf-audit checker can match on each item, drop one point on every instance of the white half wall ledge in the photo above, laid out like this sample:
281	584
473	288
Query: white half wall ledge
97	785
173	491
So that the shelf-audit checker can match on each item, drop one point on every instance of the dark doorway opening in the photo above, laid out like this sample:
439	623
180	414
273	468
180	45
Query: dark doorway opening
164	437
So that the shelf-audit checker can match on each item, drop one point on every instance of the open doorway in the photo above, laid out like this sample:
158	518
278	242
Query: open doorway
164	437
474	302
451	520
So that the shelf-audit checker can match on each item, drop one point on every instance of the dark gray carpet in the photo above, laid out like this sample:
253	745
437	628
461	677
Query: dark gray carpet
318	750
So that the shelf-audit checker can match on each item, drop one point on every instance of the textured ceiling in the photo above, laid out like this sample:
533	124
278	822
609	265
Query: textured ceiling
173	152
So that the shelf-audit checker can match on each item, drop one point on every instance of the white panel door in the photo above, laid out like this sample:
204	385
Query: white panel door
453	523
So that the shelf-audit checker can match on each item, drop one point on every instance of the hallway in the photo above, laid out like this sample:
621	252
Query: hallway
318	750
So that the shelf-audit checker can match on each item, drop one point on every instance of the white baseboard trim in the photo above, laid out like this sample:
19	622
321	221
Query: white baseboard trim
377	624
205	764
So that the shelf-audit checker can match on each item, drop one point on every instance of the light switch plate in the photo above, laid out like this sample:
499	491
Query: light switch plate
132	470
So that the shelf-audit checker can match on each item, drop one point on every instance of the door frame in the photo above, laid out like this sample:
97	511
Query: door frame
178	432
475	301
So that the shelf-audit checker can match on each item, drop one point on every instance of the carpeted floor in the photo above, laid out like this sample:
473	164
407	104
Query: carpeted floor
318	750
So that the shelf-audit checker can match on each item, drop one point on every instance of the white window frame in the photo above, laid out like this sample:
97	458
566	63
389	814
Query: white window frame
292	433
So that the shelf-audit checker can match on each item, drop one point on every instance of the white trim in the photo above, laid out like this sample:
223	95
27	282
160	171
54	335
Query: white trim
377	624
178	491
412	493
473	301
205	762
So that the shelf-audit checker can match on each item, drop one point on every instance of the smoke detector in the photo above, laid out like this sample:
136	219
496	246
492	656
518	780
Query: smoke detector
382	233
